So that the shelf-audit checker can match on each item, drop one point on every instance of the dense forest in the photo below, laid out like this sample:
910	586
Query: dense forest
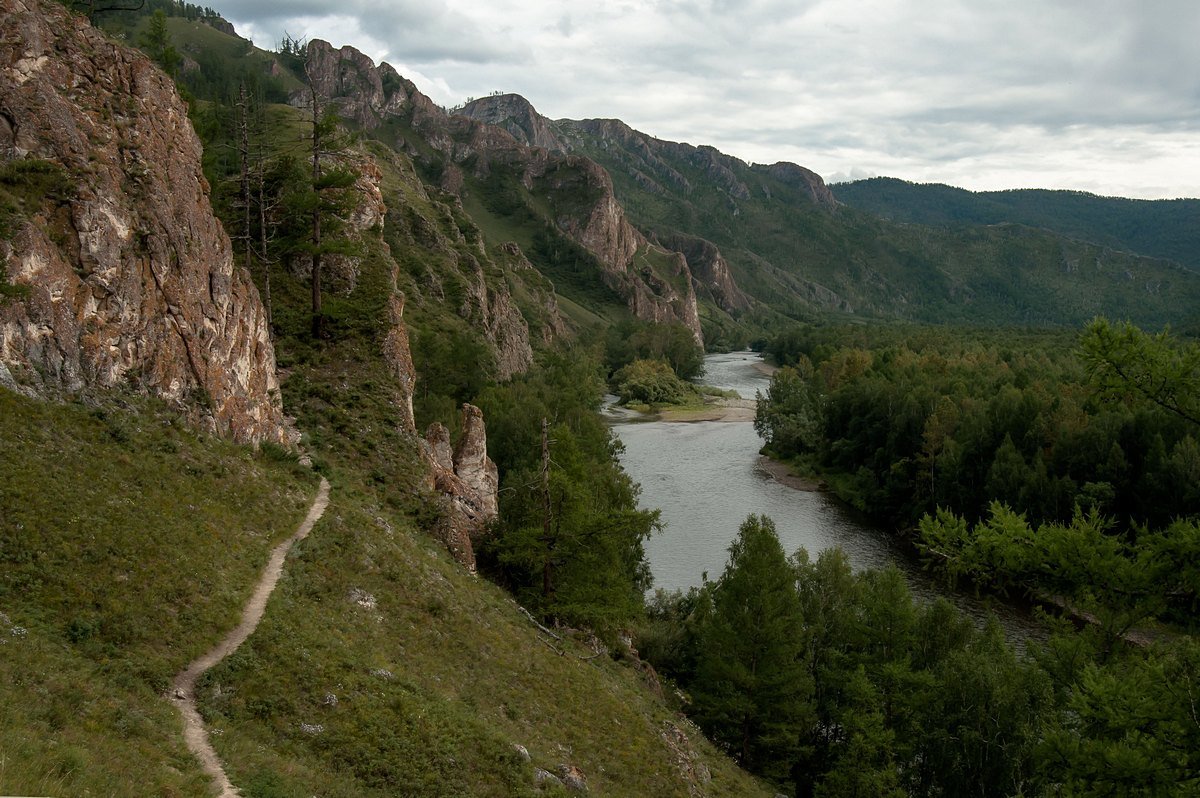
1058	465
1055	465
1162	228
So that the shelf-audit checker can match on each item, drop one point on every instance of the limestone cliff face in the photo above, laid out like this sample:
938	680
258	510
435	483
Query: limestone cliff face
130	277
350	80
517	117
805	179
468	480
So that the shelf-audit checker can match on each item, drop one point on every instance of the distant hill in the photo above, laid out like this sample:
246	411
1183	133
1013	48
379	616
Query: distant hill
1159	228
790	246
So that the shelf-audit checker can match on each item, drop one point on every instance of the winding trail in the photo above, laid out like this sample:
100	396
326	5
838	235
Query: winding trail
183	687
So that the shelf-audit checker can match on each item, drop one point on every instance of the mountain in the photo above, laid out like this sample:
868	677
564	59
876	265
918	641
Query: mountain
146	471
161	373
1167	229
792	246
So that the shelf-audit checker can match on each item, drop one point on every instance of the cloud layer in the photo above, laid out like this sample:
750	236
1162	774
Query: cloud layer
1100	96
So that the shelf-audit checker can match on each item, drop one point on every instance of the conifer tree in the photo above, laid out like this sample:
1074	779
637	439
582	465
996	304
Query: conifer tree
328	200
752	688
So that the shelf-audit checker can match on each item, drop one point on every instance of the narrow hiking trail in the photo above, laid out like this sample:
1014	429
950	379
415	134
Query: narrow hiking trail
183	687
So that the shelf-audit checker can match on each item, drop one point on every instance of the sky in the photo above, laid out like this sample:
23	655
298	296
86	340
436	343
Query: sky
1091	95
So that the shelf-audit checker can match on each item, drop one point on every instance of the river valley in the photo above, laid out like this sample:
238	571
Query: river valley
707	476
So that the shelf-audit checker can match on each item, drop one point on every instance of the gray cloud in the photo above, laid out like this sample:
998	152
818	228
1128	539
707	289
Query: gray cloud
1101	95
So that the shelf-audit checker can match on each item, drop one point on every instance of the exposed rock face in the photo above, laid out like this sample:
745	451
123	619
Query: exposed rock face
553	325
624	253
709	270
398	355
350	80
467	478
131	278
221	24
514	114
805	179
370	95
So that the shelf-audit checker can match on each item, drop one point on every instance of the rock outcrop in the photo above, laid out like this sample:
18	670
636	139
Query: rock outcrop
129	277
469	481
516	116
584	206
709	270
806	180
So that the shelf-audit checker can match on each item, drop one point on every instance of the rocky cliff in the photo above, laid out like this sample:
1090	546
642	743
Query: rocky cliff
468	480
710	270
123	277
648	164
582	202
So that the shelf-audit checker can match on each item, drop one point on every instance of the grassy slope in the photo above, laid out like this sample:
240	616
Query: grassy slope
436	675
128	544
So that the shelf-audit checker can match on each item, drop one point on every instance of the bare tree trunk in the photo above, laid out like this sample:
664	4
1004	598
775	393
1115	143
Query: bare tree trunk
262	234
243	107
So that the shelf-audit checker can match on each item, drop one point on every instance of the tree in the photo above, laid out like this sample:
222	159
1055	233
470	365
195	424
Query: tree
327	198
569	544
789	417
752	688
1123	361
668	341
651	382
157	41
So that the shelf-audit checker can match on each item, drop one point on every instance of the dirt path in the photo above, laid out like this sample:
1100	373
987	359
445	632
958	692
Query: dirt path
183	688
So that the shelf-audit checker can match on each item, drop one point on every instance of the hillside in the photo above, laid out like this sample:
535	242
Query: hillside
790	244
1167	229
304	269
132	527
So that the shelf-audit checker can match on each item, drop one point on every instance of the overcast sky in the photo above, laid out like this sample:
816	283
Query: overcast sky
1094	95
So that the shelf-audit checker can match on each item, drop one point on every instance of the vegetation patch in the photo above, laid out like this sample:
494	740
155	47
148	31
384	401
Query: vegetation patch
128	544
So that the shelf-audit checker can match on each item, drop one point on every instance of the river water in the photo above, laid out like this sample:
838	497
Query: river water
706	478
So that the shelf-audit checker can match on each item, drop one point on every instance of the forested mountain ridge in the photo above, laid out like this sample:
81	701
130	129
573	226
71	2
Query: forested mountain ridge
791	245
1168	229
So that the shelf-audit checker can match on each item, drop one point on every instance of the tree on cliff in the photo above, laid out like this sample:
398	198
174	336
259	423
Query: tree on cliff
327	198
157	42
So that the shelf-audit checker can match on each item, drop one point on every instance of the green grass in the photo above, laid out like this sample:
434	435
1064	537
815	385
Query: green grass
128	545
435	680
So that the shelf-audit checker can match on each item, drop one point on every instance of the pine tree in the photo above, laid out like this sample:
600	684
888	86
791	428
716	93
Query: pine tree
328	199
157	41
752	688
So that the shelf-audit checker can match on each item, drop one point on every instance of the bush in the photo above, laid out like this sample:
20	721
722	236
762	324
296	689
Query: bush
651	382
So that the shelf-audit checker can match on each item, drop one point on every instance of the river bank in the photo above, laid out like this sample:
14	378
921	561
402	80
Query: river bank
705	478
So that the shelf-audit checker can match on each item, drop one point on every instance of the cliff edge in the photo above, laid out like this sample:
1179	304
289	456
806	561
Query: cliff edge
121	276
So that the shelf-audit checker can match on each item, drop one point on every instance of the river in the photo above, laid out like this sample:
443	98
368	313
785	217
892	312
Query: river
706	477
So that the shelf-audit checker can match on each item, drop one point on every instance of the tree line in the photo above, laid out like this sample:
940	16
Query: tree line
831	683
1051	462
